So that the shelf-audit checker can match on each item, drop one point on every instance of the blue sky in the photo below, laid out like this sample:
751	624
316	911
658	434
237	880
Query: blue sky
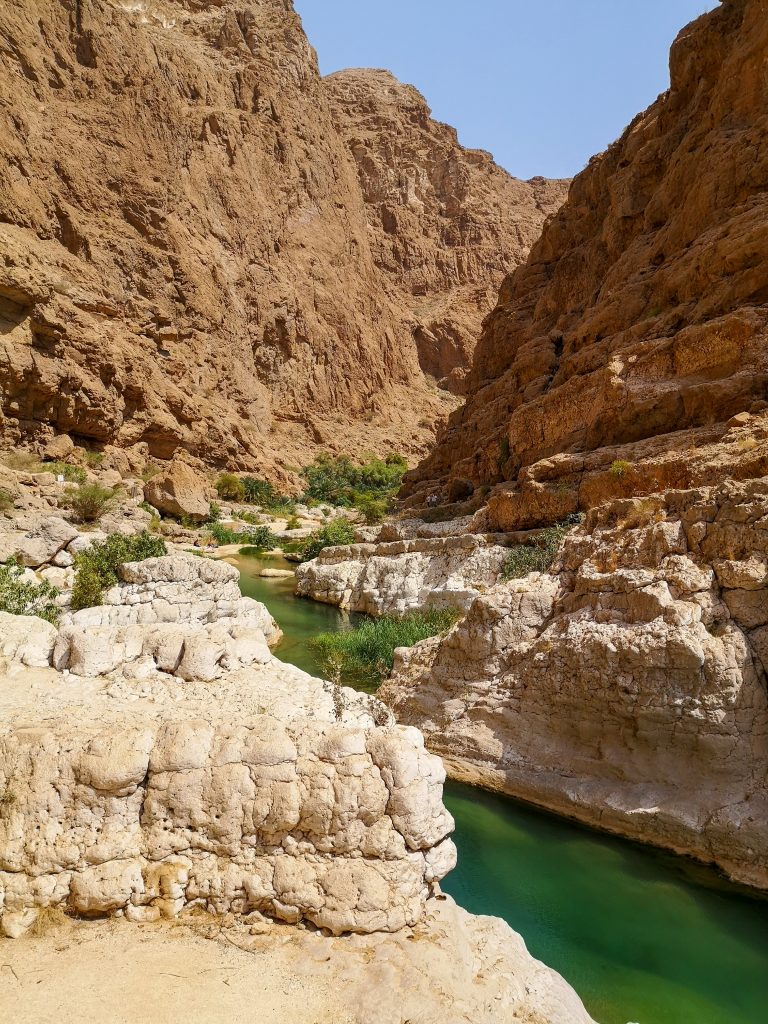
542	84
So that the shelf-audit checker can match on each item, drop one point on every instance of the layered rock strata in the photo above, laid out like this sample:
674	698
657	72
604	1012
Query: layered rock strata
404	575
187	260
629	687
630	353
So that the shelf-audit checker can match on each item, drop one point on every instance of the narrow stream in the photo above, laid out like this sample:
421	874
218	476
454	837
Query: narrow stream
644	937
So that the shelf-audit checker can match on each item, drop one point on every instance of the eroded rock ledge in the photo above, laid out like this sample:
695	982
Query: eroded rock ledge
626	689
172	761
395	577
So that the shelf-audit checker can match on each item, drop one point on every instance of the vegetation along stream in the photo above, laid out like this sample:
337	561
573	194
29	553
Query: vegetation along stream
643	936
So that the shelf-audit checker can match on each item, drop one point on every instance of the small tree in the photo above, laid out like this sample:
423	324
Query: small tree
334	534
88	502
96	567
20	596
230	487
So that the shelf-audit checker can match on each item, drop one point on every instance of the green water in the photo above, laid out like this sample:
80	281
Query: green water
299	619
642	936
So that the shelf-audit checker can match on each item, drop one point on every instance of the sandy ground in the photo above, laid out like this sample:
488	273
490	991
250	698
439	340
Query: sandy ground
113	972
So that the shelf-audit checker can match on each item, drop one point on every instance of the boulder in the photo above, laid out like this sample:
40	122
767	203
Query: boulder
42	544
179	491
27	639
58	448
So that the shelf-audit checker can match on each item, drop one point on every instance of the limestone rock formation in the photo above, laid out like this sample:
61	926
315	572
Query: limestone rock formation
446	223
403	576
248	787
628	689
182	615
630	353
186	254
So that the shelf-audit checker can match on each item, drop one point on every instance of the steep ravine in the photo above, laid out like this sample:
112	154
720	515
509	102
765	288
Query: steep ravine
619	389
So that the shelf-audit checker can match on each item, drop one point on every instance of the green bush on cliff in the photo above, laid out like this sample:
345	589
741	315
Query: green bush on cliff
19	596
334	534
96	567
369	649
538	554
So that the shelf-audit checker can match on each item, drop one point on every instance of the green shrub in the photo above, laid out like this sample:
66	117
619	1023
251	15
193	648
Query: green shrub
373	509
230	487
24	597
294	523
539	553
262	493
93	458
338	481
620	468
214	512
369	649
334	534
72	474
96	568
260	537
89	502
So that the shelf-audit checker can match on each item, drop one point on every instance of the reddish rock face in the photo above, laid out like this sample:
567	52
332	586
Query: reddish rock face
445	223
187	257
630	353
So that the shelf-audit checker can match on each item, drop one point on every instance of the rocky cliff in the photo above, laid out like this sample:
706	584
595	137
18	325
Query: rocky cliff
445	223
630	353
626	687
187	257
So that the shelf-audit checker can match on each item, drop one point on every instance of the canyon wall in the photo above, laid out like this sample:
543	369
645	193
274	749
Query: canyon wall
188	260
445	223
626	687
630	353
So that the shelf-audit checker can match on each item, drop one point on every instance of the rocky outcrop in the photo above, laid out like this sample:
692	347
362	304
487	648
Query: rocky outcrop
186	252
446	223
403	576
179	491
124	789
629	688
179	614
630	353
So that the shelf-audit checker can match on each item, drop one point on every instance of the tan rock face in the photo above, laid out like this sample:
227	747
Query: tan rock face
446	223
186	248
630	353
179	491
628	688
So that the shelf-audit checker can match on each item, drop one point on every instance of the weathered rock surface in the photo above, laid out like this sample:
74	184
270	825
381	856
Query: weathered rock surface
177	614
630	688
630	353
452	967
446	223
179	491
404	575
125	801
43	539
187	262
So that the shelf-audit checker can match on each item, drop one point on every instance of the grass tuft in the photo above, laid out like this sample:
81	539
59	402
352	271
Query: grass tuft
368	650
